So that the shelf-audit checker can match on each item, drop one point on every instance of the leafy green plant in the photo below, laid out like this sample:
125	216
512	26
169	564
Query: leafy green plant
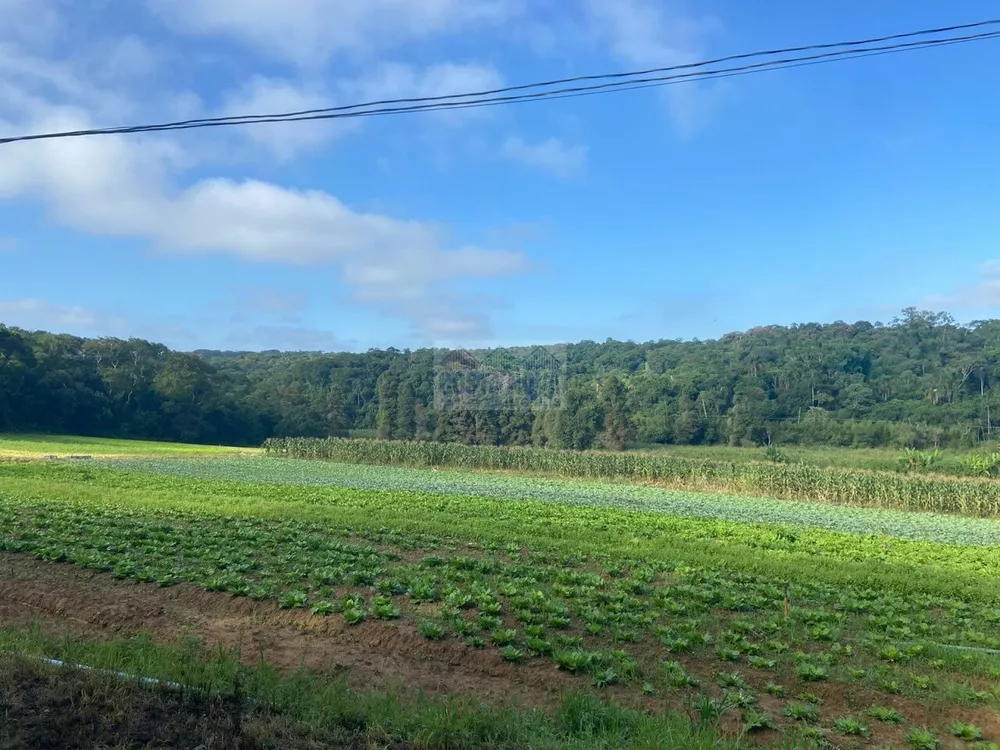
983	464
811	672
510	653
849	725
293	599
730	679
967	732
676	676
323	608
504	637
353	615
754	721
573	661
922	739
801	712
384	609
885	714
727	654
432	631
775	455
605	677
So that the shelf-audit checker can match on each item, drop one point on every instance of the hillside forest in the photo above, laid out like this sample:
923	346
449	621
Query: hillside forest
921	380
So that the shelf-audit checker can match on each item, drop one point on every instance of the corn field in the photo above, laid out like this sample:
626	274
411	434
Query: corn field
801	481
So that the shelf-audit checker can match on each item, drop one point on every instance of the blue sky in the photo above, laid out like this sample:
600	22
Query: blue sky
841	191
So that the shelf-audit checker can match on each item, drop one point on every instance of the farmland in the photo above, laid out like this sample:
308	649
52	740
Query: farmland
757	618
38	446
782	480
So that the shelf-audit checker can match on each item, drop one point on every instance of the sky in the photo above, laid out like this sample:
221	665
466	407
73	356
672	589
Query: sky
844	191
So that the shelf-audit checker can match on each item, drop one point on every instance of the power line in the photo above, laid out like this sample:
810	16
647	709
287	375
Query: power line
603	76
639	83
612	82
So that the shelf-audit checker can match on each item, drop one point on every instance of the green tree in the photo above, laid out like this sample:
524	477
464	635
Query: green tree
406	402
388	400
618	429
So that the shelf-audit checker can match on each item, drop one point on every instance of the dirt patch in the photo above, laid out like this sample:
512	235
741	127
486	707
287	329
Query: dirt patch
46	708
377	654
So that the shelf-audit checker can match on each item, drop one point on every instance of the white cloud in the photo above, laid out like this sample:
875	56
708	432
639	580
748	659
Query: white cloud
552	155
136	186
648	34
309	32
117	187
30	21
395	80
984	294
36	314
262	95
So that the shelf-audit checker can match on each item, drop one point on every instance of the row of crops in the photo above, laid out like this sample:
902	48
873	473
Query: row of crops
949	529
798	481
791	553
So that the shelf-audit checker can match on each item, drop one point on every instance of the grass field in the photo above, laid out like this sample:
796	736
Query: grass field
760	621
39	446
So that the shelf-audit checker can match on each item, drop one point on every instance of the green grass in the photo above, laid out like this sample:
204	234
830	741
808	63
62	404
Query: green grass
39	446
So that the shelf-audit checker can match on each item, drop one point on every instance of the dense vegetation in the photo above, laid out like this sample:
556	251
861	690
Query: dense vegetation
921	380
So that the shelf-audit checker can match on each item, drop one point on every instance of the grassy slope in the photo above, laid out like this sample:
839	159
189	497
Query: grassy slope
39	446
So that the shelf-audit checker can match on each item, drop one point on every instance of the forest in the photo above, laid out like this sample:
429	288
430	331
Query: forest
921	380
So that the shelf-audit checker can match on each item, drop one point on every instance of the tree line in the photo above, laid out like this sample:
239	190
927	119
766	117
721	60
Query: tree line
920	380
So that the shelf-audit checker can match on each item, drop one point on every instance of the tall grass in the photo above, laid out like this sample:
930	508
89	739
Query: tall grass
800	481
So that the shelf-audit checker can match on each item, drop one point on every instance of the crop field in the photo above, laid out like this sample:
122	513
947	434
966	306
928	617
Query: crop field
934	493
758	621
949	461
